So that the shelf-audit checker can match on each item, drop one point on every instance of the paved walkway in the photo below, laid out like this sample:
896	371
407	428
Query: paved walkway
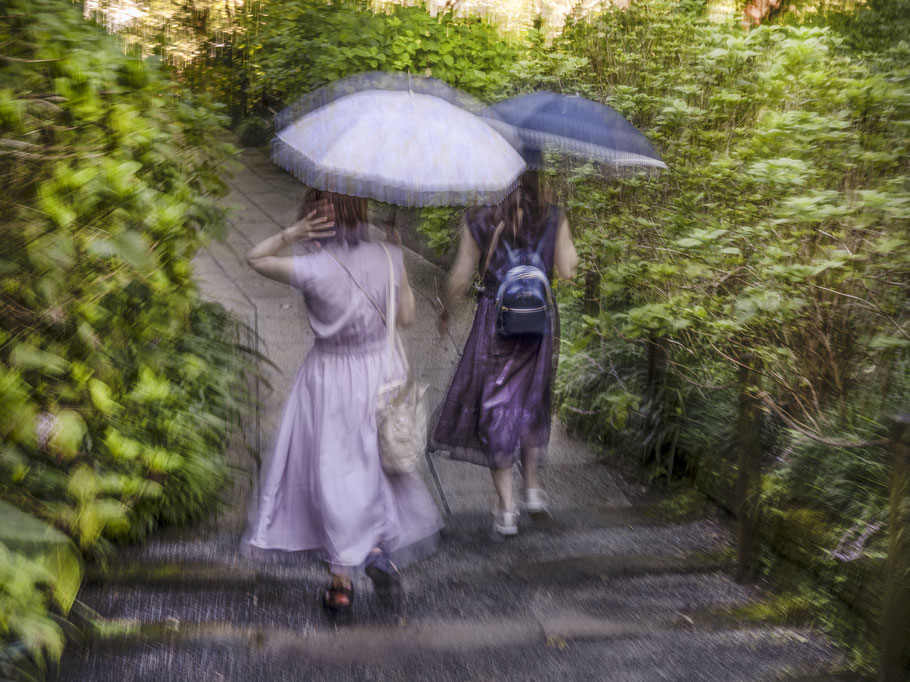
600	592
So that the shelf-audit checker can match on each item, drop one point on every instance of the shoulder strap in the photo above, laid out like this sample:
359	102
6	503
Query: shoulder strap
390	304
493	241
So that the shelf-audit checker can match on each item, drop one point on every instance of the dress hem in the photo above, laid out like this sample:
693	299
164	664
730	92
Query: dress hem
401	557
480	457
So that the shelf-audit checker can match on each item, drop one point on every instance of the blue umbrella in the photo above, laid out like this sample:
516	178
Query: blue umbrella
573	125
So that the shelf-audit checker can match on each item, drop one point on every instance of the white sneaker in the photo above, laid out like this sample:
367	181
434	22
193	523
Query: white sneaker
536	501
505	522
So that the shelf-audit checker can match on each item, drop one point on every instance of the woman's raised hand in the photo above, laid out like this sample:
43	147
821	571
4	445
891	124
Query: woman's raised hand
315	225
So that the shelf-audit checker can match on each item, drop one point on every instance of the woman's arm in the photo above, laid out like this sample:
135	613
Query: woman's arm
460	275
407	307
565	257
263	259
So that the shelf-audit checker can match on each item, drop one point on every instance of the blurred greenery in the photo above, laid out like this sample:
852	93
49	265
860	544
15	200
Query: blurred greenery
780	232
118	386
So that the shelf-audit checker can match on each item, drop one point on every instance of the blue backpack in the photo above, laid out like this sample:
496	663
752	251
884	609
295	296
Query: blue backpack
524	300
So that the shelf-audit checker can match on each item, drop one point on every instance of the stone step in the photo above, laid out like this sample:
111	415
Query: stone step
566	569
563	645
255	600
468	537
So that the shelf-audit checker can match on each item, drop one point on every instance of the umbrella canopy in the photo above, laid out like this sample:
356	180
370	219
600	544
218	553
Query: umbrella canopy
399	139
574	125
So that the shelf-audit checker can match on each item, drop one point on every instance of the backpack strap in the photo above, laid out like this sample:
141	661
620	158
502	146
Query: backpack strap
493	242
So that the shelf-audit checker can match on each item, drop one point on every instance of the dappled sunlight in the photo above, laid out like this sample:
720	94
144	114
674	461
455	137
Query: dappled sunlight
181	33
513	16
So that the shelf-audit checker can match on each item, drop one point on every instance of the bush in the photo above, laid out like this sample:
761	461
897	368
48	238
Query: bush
118	387
780	231
254	131
304	44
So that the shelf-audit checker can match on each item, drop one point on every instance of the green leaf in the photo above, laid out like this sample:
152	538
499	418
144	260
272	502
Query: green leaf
132	247
101	397
160	460
65	565
83	484
68	433
151	387
120	446
28	356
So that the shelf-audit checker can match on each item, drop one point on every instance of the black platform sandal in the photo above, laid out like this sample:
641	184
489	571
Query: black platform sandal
338	601
386	579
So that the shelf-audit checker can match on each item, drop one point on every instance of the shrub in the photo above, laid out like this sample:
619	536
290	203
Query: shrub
780	230
117	385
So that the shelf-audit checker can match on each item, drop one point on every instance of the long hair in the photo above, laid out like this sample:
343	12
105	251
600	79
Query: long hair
533	204
350	213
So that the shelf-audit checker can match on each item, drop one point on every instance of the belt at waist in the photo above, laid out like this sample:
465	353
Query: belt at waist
335	347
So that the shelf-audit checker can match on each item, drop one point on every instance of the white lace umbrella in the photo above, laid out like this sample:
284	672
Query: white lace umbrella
396	138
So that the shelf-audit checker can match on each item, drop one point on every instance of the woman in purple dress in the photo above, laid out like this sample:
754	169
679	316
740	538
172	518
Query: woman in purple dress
324	488
497	408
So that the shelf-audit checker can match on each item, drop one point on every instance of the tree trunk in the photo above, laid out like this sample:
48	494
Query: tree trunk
896	612
592	293
748	467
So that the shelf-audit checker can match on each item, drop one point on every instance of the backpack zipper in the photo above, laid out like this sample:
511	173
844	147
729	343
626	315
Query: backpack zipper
523	310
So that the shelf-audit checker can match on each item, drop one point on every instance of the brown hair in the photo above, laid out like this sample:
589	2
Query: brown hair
534	209
350	213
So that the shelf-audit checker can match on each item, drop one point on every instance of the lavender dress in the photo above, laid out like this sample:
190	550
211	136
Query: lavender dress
499	397
324	488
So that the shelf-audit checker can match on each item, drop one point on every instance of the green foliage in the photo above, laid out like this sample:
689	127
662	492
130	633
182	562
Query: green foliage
40	574
439	226
24	602
304	44
781	229
118	387
254	132
180	33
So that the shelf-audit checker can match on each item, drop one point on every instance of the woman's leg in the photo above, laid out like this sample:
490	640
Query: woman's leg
502	480
505	517
535	498
529	459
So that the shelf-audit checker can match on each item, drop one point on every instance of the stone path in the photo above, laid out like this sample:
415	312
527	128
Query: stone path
602	591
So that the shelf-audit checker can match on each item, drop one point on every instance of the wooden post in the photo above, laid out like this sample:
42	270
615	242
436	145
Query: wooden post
896	612
592	293
653	407
748	472
657	368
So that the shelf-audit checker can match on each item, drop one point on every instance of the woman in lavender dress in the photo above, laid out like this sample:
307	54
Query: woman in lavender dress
498	405
324	488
